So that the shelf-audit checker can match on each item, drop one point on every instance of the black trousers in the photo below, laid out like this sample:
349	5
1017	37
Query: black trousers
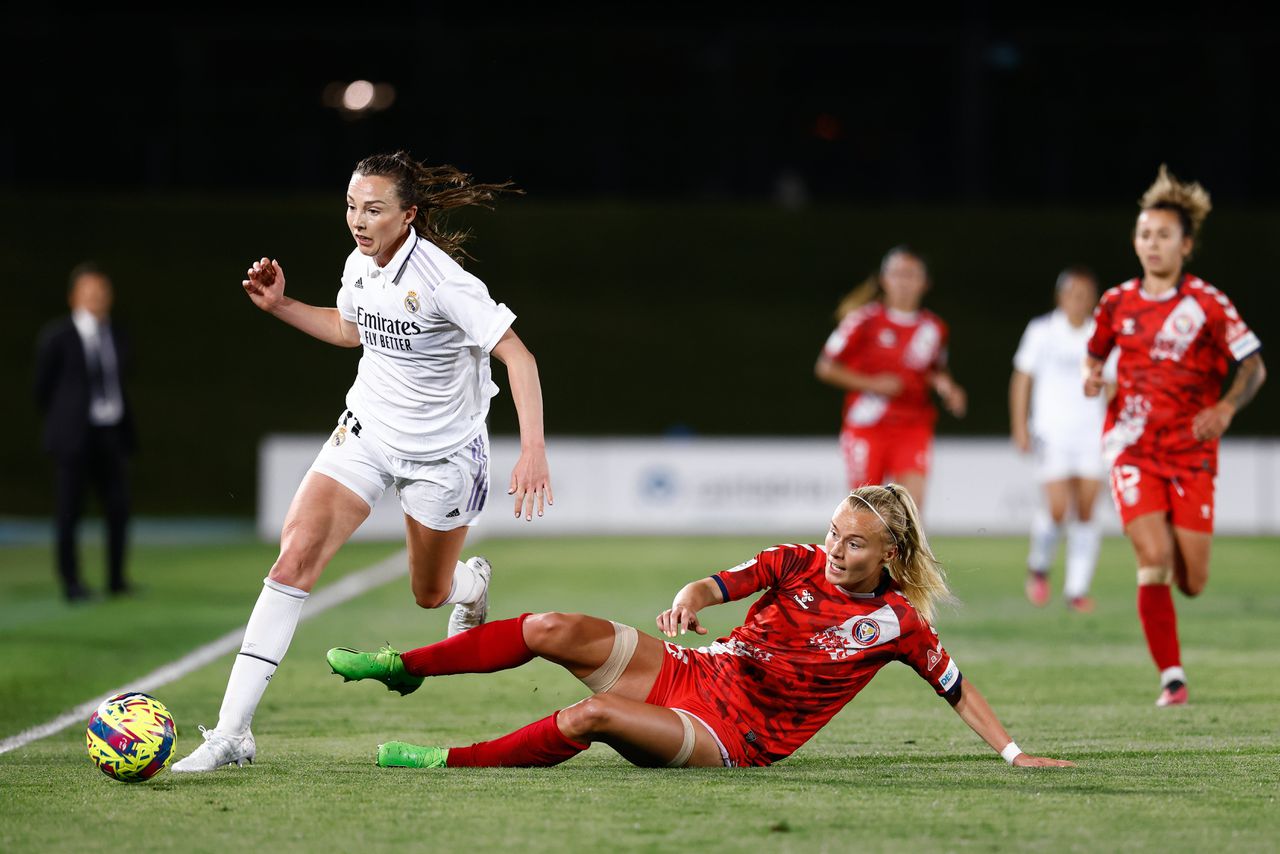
104	464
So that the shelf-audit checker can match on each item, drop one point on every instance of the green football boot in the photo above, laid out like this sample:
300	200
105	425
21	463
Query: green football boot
397	754
384	665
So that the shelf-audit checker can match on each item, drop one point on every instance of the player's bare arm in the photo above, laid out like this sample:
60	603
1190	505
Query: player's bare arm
1019	407
975	711
683	613
1212	422
531	477
951	392
833	373
1093	382
265	287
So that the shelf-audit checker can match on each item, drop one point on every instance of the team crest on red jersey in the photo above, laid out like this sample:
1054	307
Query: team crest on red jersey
866	632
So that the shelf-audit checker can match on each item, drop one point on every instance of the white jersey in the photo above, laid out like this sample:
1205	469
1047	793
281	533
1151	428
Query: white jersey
1052	353
427	327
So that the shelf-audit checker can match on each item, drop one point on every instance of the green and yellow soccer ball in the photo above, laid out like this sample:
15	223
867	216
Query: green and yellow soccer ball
131	737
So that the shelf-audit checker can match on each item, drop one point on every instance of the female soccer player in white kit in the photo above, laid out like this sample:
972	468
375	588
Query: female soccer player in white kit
414	418
1050	417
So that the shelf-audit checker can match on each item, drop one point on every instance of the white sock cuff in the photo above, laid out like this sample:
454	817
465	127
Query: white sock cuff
285	589
466	587
1172	674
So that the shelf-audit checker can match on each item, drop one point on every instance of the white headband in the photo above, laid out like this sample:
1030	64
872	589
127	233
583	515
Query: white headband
892	536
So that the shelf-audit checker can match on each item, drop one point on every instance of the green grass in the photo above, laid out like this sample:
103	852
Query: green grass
896	768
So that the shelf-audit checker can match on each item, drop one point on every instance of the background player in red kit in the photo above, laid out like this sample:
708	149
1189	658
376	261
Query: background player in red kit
886	354
1176	334
831	617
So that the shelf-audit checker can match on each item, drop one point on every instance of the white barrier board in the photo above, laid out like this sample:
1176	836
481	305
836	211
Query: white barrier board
741	486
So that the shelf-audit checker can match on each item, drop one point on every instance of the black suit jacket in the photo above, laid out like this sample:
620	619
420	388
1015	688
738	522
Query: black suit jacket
62	387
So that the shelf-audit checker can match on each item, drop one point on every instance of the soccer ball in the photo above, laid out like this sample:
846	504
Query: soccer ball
131	737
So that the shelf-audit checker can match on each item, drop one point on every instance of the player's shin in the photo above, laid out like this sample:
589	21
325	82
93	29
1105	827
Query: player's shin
487	648
1084	539
1159	620
539	744
266	639
1044	541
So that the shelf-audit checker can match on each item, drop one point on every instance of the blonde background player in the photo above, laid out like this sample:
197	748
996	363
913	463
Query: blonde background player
1050	416
414	419
1176	335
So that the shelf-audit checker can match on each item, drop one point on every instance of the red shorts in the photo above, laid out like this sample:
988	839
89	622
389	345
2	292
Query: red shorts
1186	498
677	688
873	453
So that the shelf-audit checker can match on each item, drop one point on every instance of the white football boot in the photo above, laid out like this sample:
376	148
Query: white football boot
219	749
469	615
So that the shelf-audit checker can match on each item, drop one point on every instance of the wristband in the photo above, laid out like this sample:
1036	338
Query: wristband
1010	752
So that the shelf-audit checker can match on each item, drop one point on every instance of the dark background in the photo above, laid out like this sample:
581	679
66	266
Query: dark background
699	195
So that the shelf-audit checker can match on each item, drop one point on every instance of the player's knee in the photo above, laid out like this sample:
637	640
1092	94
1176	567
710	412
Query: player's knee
298	562
430	596
1192	586
1153	554
589	717
545	632
1058	514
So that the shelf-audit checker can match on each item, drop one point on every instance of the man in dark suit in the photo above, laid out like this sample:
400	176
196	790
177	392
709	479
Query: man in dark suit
88	429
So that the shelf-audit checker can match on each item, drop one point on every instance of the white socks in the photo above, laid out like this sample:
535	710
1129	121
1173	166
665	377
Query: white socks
266	639
1083	542
1044	541
467	586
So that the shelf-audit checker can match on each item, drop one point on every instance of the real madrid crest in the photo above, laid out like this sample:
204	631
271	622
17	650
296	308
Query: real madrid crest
411	302
339	436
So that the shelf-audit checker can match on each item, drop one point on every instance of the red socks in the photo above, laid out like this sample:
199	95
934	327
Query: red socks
1159	624
484	649
539	744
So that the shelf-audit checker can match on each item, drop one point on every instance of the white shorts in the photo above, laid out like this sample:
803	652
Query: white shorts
440	494
1062	460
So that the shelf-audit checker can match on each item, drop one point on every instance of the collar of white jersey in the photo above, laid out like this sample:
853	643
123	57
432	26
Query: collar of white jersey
395	267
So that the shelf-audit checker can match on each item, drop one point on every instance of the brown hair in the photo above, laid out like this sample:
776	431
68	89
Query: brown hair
870	288
434	190
914	567
1188	199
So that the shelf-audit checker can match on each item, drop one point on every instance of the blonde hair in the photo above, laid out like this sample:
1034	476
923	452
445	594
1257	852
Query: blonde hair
914	567
870	289
1188	199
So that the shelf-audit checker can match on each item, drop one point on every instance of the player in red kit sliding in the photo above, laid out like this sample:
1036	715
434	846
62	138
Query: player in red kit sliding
1177	335
831	616
887	355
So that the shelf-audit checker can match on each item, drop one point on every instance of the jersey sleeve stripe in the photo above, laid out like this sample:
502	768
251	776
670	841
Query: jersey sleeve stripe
724	591
1245	346
431	281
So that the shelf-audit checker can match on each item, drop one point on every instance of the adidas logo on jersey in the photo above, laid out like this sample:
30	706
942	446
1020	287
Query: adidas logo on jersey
359	283
451	514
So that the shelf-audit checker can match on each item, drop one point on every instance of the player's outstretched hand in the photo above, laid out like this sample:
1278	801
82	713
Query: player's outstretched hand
678	619
1023	760
265	284
531	484
1212	422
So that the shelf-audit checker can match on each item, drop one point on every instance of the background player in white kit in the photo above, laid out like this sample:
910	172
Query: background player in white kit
415	419
1050	417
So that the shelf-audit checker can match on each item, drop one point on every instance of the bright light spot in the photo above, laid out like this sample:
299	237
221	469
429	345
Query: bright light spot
358	95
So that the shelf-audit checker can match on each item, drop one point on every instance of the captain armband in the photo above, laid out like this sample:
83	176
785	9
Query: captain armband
950	682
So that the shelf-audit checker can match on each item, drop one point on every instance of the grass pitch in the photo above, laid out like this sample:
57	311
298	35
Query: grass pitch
896	768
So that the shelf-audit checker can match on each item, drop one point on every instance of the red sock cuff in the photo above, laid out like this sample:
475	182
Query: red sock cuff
539	744
485	649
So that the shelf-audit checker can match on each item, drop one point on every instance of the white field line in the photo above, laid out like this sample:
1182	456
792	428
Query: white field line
334	594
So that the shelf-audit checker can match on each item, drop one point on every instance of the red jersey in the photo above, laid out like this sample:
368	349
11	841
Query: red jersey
807	648
876	340
1174	352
